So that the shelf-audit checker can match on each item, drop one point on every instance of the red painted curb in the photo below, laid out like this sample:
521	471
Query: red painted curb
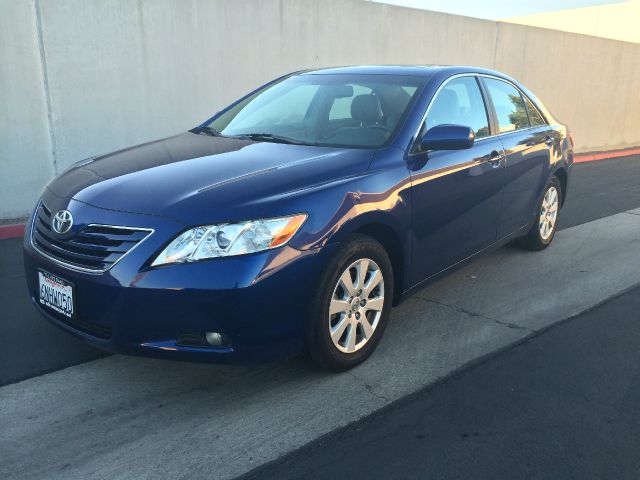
11	231
592	157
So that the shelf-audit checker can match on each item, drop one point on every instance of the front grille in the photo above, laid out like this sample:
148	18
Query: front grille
94	248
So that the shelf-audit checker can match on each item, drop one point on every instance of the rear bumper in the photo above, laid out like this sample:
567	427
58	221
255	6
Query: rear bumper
257	301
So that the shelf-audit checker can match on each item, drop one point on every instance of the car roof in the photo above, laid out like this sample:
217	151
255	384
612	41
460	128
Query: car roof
417	70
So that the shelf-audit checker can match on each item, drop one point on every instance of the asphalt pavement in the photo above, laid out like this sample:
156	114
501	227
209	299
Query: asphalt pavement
31	345
602	188
564	404
124	417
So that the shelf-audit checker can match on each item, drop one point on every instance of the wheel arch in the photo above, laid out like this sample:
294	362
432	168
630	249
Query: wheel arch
562	177
391	242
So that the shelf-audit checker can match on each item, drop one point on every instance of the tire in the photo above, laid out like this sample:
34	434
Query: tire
538	237
353	341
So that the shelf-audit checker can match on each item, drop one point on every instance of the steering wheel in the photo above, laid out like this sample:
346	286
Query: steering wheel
336	132
381	127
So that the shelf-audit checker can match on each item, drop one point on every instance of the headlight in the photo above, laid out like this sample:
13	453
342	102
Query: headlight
228	239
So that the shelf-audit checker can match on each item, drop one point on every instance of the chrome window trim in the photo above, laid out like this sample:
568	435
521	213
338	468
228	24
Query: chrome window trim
470	74
535	107
76	268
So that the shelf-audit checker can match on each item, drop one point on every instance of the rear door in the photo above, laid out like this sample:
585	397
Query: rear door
527	140
456	194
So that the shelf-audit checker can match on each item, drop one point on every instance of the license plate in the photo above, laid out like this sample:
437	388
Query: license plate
56	293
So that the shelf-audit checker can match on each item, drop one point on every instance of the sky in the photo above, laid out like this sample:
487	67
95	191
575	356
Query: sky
497	9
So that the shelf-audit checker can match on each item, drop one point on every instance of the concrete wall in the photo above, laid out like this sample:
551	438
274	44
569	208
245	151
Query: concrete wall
26	155
84	77
590	83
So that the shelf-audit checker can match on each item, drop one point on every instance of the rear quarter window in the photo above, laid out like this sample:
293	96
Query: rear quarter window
534	115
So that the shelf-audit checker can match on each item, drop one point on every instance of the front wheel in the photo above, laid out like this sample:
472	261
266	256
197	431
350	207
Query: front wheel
351	307
544	228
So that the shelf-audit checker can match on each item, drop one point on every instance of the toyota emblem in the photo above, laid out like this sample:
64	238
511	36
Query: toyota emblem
62	221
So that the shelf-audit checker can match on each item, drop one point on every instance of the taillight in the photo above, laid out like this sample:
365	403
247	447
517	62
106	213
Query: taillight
570	139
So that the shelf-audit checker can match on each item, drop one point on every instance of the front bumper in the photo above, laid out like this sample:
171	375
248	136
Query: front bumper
257	301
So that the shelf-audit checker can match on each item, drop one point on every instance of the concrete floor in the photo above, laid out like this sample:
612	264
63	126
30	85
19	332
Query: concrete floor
120	417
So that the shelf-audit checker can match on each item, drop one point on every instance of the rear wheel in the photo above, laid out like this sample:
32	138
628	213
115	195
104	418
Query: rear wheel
544	228
352	304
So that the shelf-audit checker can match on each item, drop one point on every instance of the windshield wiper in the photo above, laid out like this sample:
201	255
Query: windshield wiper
270	137
209	131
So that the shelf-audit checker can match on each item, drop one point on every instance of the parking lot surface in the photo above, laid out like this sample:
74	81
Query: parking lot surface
118	416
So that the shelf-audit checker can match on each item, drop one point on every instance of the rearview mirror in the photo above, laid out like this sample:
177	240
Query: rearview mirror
448	137
342	91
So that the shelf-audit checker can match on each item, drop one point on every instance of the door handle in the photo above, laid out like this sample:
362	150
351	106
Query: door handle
495	159
548	140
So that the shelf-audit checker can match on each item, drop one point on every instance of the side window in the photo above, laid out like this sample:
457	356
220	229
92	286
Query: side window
341	107
510	109
460	103
534	115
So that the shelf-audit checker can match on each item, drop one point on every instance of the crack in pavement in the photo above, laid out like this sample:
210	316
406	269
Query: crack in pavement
464	311
369	388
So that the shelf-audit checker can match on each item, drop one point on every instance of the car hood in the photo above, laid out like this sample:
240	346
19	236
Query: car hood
198	178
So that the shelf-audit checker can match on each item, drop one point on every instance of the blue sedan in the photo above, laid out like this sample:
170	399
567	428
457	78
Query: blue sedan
294	219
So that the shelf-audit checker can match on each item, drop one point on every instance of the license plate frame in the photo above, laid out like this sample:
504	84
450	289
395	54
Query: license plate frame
56	294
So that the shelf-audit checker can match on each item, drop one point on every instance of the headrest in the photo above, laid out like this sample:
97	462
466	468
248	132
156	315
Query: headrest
445	109
449	99
366	109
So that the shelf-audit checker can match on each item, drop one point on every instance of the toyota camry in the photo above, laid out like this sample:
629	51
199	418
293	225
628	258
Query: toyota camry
294	219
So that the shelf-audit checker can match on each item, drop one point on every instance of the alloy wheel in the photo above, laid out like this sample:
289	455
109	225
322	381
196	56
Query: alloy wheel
548	213
356	305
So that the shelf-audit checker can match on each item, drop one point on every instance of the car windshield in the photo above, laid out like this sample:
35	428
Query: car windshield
341	110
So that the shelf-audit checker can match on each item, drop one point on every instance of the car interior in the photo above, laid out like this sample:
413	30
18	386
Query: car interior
370	119
356	114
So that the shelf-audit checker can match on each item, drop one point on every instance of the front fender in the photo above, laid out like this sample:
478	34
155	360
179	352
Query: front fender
377	203
382	194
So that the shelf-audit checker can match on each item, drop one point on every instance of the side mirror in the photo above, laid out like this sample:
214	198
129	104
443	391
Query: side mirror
447	137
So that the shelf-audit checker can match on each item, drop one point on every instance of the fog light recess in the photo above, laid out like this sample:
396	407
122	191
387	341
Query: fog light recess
207	339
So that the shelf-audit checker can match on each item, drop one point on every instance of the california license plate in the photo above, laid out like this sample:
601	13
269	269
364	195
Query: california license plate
56	293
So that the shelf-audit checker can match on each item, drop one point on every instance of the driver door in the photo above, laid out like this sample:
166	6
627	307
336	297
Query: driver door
456	194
